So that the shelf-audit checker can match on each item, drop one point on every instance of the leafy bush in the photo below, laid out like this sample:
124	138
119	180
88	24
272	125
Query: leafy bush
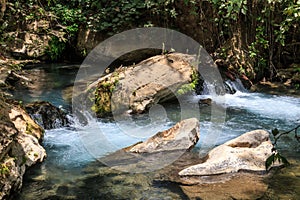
55	48
190	87
109	16
276	156
268	26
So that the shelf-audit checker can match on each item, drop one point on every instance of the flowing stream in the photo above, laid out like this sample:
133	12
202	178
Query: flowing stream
71	170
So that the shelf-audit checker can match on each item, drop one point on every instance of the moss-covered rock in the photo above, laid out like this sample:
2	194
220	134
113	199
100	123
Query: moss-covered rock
103	93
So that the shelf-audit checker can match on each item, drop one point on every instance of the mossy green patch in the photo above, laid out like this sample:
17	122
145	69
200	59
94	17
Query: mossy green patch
189	87
4	170
29	128
102	96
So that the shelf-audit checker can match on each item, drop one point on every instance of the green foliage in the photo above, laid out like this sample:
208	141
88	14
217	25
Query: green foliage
189	87
69	17
229	10
29	128
4	170
184	89
291	13
274	21
276	156
223	53
102	95
117	16
110	16
55	48
272	31
24	160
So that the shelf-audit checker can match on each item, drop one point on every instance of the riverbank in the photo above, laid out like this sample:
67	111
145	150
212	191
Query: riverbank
20	147
275	88
21	137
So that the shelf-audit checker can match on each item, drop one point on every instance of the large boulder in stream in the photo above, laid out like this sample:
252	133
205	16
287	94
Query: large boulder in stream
247	152
138	87
19	146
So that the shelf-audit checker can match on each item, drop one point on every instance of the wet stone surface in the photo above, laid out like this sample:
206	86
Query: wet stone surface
47	115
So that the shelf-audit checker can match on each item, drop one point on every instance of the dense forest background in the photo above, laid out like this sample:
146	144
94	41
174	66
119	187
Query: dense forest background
252	38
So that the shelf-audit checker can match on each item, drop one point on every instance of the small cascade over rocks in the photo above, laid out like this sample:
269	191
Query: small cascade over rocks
208	89
231	87
234	86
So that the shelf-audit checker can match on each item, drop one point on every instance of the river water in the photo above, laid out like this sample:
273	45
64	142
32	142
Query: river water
72	171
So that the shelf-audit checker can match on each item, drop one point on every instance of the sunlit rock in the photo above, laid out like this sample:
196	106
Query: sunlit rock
24	123
158	151
184	135
138	87
246	152
27	145
19	147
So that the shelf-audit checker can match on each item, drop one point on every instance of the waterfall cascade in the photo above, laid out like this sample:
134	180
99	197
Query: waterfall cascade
234	86
230	86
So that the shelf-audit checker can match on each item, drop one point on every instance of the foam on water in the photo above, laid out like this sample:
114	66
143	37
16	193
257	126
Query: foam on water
80	144
64	148
271	106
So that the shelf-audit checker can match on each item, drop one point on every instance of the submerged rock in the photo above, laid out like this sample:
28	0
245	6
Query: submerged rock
47	115
238	186
184	135
247	152
205	101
